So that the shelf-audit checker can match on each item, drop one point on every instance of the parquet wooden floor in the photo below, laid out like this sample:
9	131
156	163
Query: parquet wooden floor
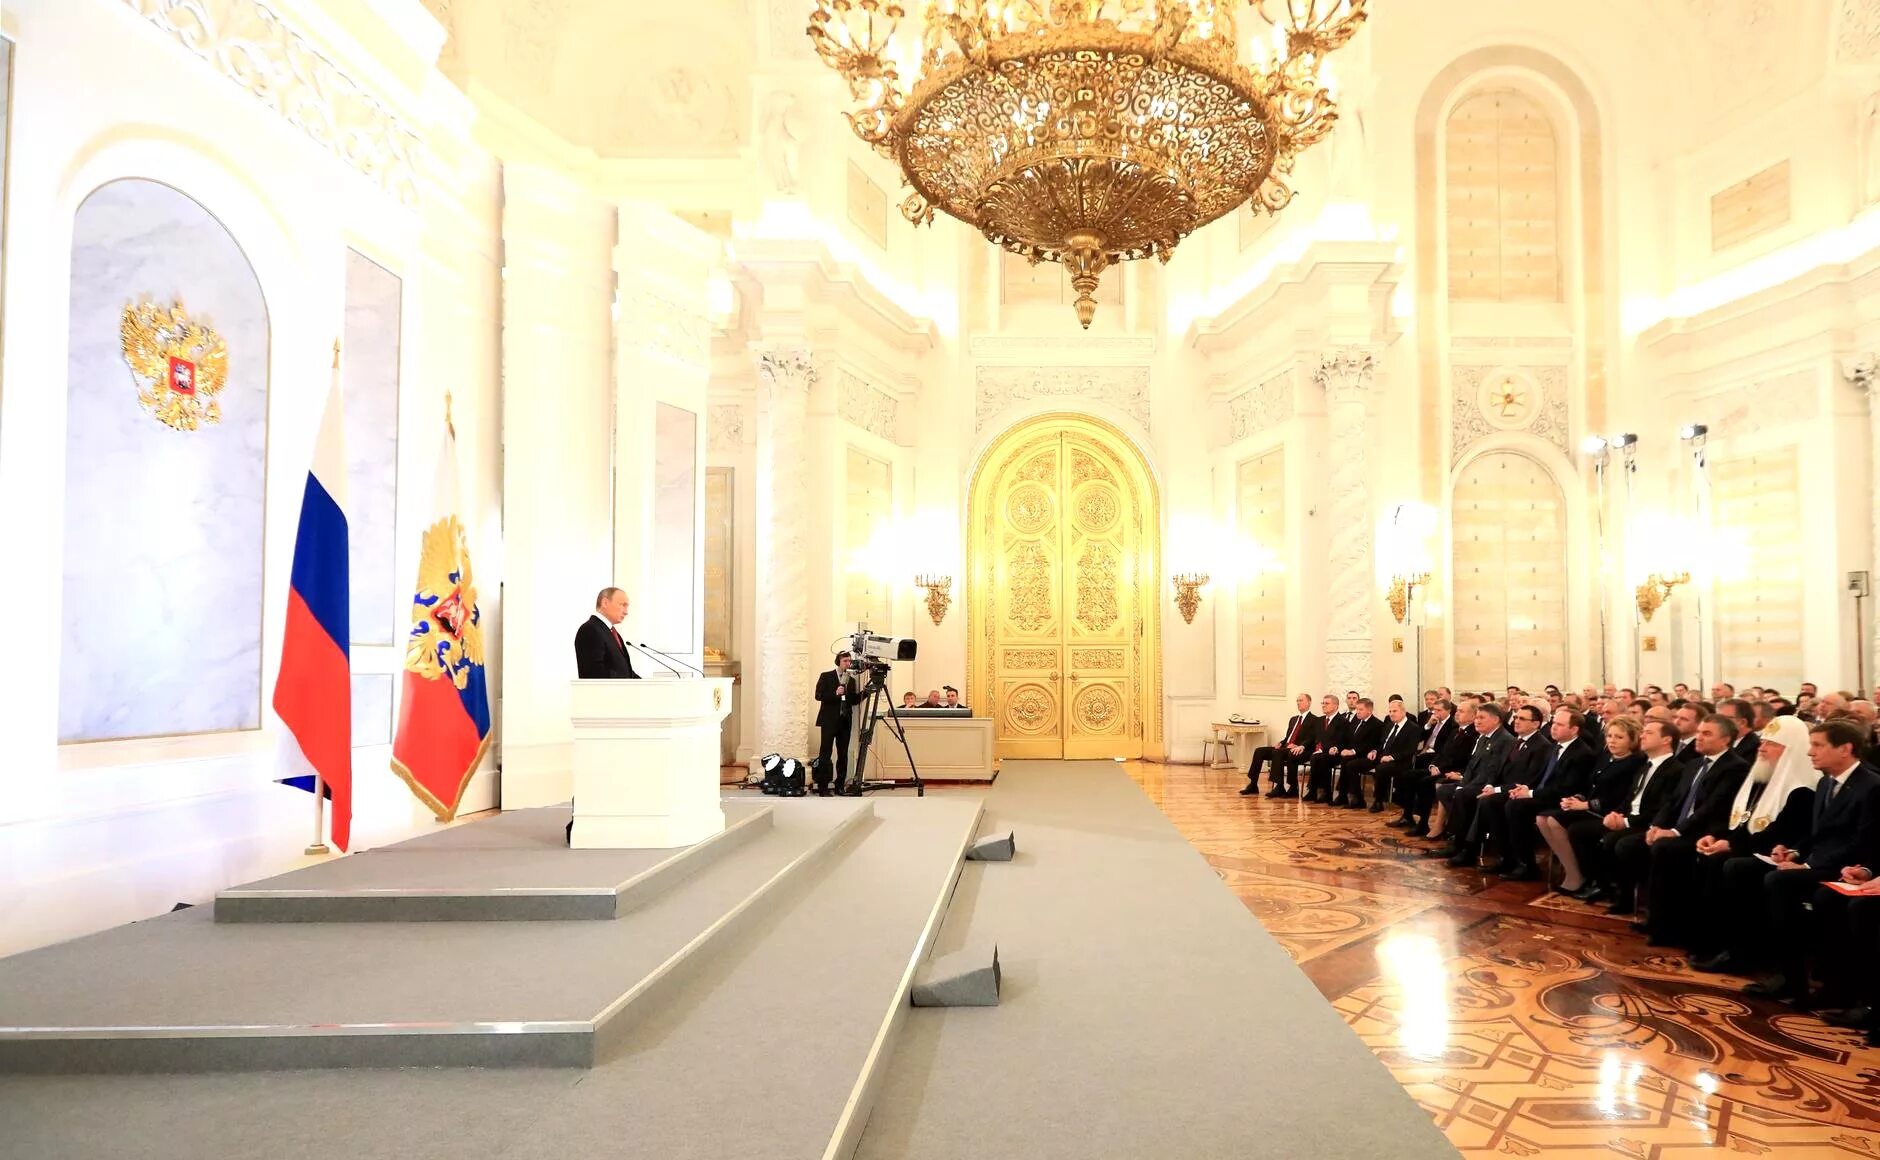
1526	1025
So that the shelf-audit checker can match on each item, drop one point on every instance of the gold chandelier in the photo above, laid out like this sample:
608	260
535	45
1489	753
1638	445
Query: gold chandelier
1086	132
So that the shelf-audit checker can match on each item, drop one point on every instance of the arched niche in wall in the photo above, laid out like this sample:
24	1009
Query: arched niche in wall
164	497
1502	209
1509	561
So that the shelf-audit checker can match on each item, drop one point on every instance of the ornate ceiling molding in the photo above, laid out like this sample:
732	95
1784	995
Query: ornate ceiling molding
999	388
248	42
1259	408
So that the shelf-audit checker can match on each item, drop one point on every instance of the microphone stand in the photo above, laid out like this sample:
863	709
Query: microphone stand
670	657
649	652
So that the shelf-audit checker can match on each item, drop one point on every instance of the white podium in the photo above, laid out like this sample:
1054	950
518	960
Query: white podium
646	762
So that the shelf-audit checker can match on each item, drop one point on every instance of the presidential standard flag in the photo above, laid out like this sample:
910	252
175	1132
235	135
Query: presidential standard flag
444	714
313	693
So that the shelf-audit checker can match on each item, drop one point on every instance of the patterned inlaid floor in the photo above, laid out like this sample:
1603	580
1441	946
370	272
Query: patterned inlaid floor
1527	1026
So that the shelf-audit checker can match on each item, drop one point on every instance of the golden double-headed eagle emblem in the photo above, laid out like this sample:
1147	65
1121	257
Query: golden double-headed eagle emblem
446	625
181	365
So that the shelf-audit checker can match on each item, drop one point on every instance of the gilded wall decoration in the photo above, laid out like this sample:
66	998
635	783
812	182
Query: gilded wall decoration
1097	576
720	549
1003	387
180	364
1481	405
656	323
1031	658
1260	511
868	407
1097	510
1097	658
724	428
1099	709
249	43
1032	709
1028	509
1041	469
1260	407
1085	468
1028	572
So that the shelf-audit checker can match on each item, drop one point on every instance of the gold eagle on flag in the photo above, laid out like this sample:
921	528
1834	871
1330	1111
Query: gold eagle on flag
446	624
181	365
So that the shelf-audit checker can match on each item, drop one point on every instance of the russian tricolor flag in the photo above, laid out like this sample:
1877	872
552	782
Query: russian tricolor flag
313	694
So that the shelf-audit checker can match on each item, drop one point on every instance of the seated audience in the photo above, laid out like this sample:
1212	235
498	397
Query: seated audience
1572	829
1664	856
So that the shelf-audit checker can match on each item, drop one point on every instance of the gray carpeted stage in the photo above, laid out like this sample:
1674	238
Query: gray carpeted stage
750	1002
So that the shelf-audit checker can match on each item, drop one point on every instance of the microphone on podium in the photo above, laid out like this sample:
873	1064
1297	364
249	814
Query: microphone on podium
649	652
664	657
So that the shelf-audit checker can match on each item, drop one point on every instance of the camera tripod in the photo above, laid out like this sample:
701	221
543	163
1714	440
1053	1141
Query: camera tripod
873	694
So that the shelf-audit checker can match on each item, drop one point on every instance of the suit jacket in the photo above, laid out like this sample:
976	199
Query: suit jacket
1308	724
1491	753
1746	746
1365	736
1658	791
1433	740
1843	831
598	654
1710	810
1523	761
1423	718
1402	750
833	701
1334	731
1572	775
1456	751
1685	752
1615	780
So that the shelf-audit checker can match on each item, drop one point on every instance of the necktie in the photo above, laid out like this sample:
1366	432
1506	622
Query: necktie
1553	759
1297	722
1393	734
618	643
1690	799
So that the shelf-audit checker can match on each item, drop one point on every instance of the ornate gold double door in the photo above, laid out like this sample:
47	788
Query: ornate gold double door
1063	609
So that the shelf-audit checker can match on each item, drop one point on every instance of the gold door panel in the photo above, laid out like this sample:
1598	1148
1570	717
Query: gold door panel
1061	597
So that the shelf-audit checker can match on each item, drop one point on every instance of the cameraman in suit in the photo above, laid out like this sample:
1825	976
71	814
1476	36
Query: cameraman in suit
836	697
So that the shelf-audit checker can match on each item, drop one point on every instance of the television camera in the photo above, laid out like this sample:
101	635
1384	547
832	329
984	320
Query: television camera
874	657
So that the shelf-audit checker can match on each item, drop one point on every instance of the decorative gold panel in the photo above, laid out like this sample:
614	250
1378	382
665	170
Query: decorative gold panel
1750	208
1260	584
1062	595
1502	170
1756	511
720	597
1509	529
870	505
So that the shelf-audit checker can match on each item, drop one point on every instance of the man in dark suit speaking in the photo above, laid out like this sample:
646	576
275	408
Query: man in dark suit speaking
599	653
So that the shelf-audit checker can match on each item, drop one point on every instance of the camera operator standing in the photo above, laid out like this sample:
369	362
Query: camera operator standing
836	694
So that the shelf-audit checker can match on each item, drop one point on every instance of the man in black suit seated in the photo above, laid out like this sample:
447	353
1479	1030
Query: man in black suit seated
1840	847
1301	735
1698	808
1333	727
1630	818
1747	741
599	653
835	698
1491	747
1528	743
952	697
1359	754
1560	771
1393	763
1446	747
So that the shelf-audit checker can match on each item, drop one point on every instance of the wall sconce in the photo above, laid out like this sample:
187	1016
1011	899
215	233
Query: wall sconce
1657	589
939	595
1188	593
1403	589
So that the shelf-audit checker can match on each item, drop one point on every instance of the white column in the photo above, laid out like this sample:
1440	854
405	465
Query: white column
1345	374
557	331
785	376
1864	372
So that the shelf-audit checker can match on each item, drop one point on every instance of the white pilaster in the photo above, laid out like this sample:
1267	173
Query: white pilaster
1345	374
785	377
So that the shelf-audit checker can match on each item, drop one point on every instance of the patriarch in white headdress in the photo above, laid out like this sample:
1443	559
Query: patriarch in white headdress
1782	767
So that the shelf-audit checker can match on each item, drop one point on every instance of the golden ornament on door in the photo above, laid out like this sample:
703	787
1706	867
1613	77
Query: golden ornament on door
181	364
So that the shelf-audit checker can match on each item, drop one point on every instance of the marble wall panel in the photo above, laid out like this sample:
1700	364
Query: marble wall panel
1757	554
868	508
369	370
674	581
1509	530
1261	578
371	709
163	528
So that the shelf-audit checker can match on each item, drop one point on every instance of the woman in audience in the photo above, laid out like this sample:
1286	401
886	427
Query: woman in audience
1576	827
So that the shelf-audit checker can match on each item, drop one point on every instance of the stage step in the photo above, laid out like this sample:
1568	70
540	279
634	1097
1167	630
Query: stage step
514	867
185	993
